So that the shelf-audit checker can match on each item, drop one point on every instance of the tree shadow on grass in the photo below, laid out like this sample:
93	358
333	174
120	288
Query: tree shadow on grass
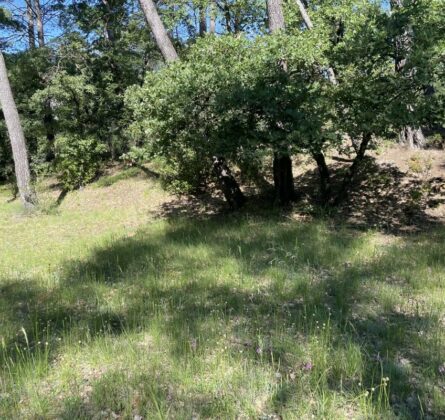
387	198
382	197
272	286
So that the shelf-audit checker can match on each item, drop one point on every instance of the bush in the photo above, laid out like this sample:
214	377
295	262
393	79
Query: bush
229	97
78	159
436	141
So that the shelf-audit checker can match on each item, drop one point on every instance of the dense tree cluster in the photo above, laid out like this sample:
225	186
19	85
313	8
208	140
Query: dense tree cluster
204	87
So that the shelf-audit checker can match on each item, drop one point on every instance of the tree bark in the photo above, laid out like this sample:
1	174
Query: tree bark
325	177
352	170
275	15
17	138
282	162
162	39
412	137
30	21
48	123
202	21
283	178
227	183
39	20
306	18
212	25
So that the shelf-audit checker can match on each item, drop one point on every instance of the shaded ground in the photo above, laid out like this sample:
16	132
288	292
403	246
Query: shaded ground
232	316
124	304
383	197
397	190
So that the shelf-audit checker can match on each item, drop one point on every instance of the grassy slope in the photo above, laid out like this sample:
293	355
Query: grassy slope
106	310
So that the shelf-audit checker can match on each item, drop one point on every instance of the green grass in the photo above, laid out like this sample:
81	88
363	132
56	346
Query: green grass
110	311
107	181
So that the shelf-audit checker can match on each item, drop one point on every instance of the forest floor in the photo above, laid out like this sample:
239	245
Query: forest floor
124	302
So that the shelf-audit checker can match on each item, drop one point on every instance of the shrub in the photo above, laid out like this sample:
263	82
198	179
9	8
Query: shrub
420	165
78	159
436	141
230	97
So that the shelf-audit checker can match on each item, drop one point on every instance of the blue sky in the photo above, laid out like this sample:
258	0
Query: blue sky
19	41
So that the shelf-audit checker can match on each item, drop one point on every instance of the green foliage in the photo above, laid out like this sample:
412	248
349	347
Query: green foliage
77	159
231	97
243	98
86	94
7	23
436	141
420	165
76	84
6	165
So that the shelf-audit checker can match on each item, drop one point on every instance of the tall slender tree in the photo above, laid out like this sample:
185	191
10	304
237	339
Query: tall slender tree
157	27
212	23
412	137
30	23
202	20
275	15
282	162
17	138
39	21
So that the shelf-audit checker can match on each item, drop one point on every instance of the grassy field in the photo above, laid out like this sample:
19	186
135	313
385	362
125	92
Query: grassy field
109	311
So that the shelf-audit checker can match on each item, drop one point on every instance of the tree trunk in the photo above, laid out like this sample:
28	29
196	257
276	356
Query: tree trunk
202	21
108	32
325	177
409	136
17	138
162	39
212	26
236	22
30	21
283	179
412	137
39	20
323	170
306	18
48	123
227	16
275	15
352	170
227	183
282	162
